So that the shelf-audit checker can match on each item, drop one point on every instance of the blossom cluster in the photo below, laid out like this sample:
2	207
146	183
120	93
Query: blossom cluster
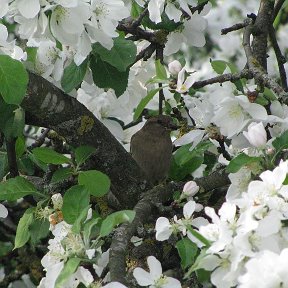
247	235
78	24
67	244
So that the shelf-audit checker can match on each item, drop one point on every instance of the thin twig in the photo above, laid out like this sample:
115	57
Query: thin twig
245	73
277	7
160	56
236	27
41	139
11	155
280	58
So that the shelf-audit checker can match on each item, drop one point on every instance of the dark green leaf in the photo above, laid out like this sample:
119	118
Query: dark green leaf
184	161
97	183
82	153
73	75
12	120
74	201
178	173
114	219
23	233
121	56
26	166
203	276
107	76
61	174
3	165
165	24
39	229
50	156
12	88
20	146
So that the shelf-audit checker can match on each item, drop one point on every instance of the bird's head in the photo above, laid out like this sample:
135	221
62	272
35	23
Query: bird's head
161	121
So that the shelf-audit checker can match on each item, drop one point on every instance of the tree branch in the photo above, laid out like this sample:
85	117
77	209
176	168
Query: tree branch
48	106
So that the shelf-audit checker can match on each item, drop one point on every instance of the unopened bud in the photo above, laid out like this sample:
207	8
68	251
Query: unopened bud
174	67
256	135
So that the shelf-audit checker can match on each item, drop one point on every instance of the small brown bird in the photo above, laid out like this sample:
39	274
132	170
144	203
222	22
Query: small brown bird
151	147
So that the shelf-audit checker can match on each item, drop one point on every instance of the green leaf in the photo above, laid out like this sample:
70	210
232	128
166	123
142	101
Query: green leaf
12	120
37	162
26	166
50	156
219	66
20	146
184	161
187	251
166	24
74	201
160	70
136	10
73	75
31	54
203	276
114	219
16	188
144	102
240	161
97	183
281	142
12	88
82	153
69	268
121	56
39	229
61	174
15	124
107	76
76	228
88	226
178	173
3	165
269	94
5	248
23	233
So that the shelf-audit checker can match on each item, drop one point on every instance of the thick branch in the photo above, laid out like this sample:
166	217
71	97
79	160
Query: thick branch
144	209
261	30
48	106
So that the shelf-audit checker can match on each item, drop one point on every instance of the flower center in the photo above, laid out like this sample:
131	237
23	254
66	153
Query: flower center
161	281
101	10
